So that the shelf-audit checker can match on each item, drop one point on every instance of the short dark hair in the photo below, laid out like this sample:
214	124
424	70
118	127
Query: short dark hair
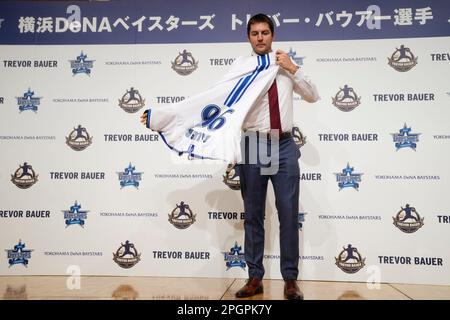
258	18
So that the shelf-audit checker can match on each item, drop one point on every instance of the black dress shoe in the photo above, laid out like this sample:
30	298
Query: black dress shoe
252	287
292	291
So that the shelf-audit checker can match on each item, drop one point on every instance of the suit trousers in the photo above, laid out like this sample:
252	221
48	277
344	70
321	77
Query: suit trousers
254	178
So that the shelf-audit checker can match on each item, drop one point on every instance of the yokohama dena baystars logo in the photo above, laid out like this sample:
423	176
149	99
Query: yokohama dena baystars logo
402	59
129	177
350	260
81	65
235	257
18	255
301	220
28	102
293	55
405	139
75	215
408	219
348	179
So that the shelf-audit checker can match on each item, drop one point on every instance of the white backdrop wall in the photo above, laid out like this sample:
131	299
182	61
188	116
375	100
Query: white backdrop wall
333	218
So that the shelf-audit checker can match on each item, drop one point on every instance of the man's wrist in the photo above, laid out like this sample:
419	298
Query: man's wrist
294	69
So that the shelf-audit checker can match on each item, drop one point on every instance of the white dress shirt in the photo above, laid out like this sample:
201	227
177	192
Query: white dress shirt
258	118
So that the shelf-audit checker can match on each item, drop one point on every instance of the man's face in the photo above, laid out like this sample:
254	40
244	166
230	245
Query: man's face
260	37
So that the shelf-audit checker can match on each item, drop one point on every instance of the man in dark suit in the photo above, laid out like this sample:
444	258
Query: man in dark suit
268	126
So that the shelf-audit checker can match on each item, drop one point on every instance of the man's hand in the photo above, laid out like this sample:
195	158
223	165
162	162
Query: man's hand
144	118
285	62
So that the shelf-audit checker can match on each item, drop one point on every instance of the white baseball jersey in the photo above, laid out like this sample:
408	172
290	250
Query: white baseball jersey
209	125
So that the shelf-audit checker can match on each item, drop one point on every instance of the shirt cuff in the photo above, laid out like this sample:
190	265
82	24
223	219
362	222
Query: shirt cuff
298	73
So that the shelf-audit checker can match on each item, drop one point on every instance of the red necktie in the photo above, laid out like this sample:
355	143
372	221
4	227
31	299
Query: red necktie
274	109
